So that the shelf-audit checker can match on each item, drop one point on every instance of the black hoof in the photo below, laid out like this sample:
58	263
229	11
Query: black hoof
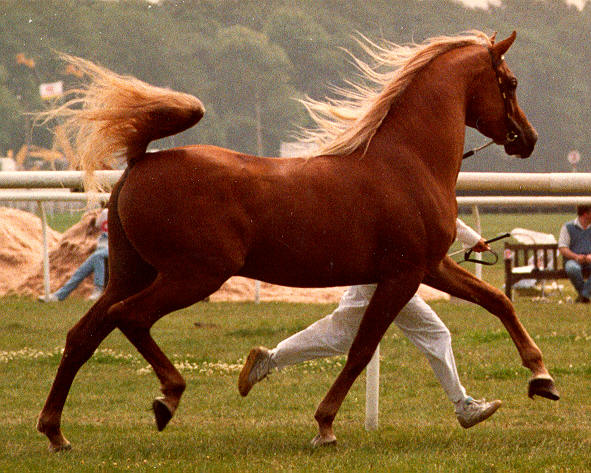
543	387
162	412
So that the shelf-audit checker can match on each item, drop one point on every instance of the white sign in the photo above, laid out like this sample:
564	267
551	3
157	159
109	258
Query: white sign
573	157
51	90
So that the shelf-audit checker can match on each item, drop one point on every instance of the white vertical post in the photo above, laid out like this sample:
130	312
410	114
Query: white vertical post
257	291
478	268
46	285
372	391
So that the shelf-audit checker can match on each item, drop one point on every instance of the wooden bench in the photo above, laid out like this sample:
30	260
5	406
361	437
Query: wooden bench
536	261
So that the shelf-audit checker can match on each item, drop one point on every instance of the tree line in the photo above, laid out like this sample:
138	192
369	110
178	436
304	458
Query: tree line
249	61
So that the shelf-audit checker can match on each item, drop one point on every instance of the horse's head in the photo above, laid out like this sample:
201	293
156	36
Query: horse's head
493	109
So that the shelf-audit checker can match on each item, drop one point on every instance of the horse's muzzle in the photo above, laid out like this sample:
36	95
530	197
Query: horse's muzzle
521	141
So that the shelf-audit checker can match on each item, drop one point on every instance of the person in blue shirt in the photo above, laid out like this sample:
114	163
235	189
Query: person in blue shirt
574	244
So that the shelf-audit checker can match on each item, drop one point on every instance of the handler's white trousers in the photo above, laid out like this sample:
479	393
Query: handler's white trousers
334	334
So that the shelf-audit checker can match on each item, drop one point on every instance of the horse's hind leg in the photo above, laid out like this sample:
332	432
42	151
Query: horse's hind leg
128	274
136	315
81	342
453	279
172	383
388	299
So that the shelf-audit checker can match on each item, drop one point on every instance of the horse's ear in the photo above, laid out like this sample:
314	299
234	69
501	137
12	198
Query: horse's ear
492	38
501	47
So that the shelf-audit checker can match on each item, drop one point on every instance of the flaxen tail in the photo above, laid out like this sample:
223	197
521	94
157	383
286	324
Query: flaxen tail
114	116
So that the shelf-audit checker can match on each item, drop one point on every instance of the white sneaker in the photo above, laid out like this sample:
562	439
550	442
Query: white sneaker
257	367
472	411
49	298
95	294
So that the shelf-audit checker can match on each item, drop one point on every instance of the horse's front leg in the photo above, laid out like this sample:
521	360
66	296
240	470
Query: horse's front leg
453	279
389	298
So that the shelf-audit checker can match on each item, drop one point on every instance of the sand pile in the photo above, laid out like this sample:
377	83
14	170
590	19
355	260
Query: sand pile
21	270
243	289
21	246
65	255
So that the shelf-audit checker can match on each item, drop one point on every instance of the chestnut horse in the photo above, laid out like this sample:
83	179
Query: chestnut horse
376	204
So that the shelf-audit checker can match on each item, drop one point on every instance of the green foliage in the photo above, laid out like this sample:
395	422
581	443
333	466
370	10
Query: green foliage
242	56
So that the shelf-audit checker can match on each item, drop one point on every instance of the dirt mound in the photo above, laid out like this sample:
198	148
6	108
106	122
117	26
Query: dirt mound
243	289
21	266
65	255
21	246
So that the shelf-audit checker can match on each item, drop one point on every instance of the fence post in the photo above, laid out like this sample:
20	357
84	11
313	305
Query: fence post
46	285
372	391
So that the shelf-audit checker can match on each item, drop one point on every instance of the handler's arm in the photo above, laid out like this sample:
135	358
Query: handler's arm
470	238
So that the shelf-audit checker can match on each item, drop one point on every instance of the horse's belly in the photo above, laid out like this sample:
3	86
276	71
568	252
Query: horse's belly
305	273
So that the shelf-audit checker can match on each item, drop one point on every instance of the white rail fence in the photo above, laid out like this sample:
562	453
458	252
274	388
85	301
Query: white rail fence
552	184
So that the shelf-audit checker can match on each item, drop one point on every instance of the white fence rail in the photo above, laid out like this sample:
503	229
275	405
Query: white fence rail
549	183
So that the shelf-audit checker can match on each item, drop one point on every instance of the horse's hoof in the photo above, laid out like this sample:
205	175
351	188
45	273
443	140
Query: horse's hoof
324	441
64	447
543	386
162	412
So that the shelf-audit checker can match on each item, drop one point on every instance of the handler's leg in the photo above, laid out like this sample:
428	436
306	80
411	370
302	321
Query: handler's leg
329	336
430	335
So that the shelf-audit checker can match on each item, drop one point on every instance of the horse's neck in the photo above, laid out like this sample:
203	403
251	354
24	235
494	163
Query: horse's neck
428	123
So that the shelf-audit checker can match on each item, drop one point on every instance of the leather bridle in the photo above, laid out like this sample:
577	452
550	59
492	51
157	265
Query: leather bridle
512	135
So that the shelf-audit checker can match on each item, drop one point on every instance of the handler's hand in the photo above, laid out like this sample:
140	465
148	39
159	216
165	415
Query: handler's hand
481	246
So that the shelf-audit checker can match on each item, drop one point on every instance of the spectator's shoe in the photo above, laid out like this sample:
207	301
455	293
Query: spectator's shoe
49	298
257	366
582	300
95	294
472	411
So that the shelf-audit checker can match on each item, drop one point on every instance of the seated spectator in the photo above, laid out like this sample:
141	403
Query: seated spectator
95	263
574	244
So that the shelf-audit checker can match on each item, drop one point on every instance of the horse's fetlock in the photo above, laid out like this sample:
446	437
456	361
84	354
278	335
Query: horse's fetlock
176	389
46	426
323	418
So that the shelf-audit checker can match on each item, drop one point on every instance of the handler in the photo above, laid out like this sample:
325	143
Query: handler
334	334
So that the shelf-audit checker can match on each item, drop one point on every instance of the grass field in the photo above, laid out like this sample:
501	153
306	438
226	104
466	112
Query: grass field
215	430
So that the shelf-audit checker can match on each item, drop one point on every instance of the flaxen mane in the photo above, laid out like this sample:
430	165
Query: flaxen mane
345	124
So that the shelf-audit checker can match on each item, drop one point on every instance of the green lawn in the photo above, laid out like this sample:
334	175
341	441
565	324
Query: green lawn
108	421
111	428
